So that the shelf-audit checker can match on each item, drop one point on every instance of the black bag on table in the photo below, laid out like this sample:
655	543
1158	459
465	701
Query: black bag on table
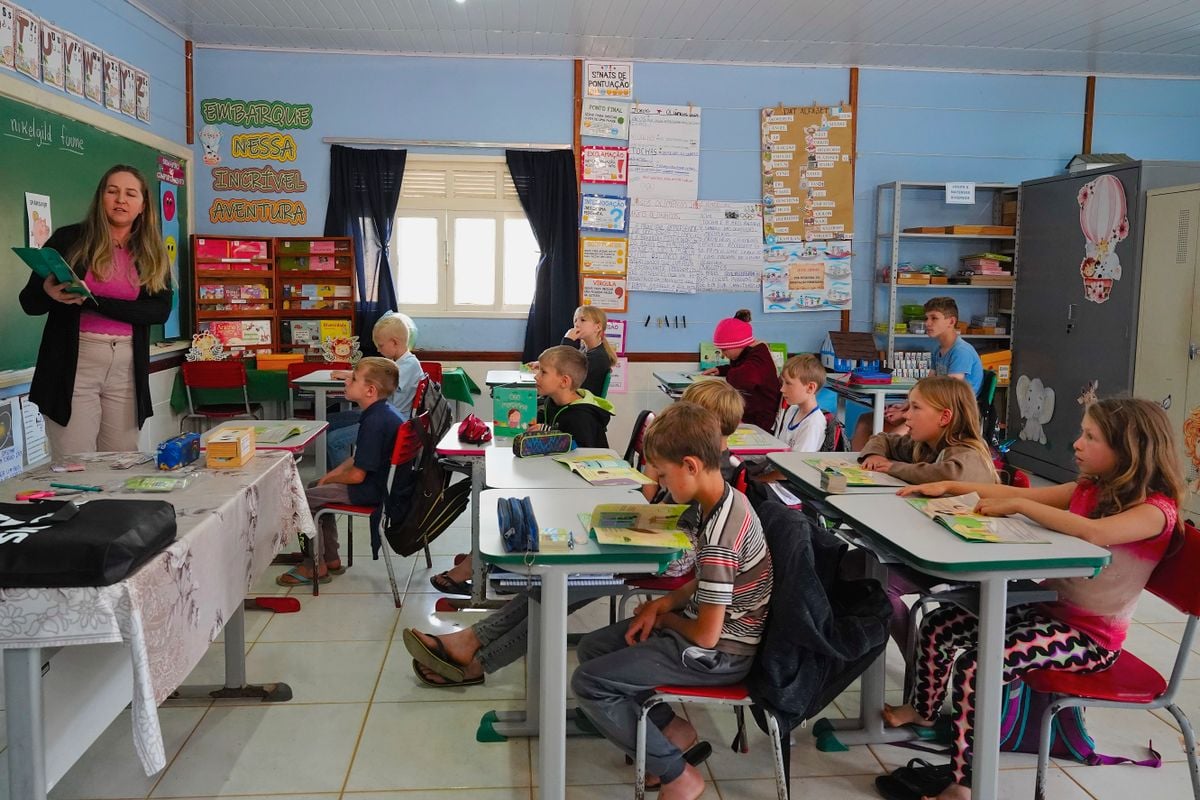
97	543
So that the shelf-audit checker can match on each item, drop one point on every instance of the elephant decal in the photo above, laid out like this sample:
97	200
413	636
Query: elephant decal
1036	402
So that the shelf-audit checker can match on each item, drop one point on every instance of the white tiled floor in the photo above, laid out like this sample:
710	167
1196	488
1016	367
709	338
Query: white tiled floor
362	728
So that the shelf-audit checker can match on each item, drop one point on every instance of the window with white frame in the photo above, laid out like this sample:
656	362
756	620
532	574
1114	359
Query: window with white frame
461	243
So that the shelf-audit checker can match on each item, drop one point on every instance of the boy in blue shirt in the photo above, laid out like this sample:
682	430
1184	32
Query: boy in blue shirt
953	356
362	478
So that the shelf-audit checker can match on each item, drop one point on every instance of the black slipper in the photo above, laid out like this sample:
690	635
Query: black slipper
435	658
917	779
447	585
443	684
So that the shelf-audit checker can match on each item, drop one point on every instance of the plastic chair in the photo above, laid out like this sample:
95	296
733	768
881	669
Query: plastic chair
607	381
986	396
1131	682
433	369
217	375
633	453
405	452
299	370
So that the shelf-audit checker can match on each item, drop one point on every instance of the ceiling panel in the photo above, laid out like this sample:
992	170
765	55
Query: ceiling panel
1151	37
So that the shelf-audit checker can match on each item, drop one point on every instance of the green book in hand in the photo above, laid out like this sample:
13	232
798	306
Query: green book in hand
47	261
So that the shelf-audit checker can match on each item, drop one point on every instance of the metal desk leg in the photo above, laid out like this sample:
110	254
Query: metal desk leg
235	671
989	678
841	409
877	413
319	400
26	735
500	726
478	568
552	727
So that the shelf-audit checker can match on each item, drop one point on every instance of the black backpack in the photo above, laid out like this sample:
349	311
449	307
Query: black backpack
835	435
423	502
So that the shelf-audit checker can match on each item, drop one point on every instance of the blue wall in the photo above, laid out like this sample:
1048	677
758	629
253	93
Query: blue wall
122	30
912	125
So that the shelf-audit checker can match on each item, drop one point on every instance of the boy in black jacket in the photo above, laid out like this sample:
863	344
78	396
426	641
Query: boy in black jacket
566	407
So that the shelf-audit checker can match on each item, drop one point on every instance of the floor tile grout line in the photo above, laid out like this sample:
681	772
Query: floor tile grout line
162	775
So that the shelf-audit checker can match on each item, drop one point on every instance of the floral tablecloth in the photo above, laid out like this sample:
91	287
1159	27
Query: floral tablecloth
231	523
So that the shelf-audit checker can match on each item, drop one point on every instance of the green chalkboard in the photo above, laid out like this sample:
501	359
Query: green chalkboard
54	155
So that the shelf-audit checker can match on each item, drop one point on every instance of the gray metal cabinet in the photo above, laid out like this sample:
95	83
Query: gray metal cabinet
1085	287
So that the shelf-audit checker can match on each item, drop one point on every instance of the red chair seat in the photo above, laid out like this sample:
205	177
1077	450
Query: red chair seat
348	508
1129	680
733	692
664	583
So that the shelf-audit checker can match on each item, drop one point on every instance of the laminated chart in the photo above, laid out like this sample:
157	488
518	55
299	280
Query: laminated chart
808	173
698	246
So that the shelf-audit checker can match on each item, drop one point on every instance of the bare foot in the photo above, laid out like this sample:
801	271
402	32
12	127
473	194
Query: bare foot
461	646
461	571
895	716
688	786
953	792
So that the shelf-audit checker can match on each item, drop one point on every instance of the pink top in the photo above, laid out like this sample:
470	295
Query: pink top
1103	606
122	284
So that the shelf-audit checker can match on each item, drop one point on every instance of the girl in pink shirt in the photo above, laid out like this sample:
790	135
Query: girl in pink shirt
1127	500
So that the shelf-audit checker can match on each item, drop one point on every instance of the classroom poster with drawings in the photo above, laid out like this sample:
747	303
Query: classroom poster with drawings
614	332
608	79
37	213
598	212
808	173
603	164
12	450
73	65
618	382
52	56
604	119
806	276
27	33
34	428
7	35
664	152
597	254
605	292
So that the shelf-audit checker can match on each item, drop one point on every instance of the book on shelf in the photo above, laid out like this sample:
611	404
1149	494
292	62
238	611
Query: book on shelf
638	525
957	515
854	474
602	470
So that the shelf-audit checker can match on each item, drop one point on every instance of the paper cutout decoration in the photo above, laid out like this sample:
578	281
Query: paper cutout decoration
206	347
1191	442
1036	402
1088	395
1104	223
341	348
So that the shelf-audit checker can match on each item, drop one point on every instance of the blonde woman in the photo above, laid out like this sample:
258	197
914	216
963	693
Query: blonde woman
91	381
588	335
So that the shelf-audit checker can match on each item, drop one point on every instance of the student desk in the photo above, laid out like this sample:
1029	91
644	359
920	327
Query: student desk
674	383
506	377
807	478
320	383
751	440
547	666
897	532
295	444
875	397
505	471
146	633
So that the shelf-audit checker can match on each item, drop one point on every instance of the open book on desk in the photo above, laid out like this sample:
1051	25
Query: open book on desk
638	525
47	261
275	434
854	474
602	470
956	514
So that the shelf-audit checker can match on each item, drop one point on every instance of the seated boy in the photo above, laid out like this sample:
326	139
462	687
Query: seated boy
559	371
362	479
953	356
724	609
390	335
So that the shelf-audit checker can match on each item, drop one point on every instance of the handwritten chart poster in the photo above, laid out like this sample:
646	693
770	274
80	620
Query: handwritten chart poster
12	447
608	79
806	276
604	164
664	151
603	255
614	331
604	118
697	246
808	173
598	212
605	292
619	382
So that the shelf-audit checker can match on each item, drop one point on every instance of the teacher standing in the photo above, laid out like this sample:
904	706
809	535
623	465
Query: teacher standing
91	381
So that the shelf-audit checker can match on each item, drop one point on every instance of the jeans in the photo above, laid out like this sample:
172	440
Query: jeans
340	436
504	635
614	679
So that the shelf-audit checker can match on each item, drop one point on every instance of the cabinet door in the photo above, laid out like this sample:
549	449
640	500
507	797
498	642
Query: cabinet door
1065	341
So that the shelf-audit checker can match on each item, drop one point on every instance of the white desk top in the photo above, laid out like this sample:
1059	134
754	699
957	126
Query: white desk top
505	471
309	430
840	382
795	466
498	377
321	378
751	440
451	445
926	545
560	508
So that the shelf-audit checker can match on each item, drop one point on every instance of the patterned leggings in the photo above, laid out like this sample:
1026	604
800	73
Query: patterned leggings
1032	641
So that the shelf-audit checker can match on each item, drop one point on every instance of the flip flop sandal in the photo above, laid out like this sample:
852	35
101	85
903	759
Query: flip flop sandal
293	577
339	571
437	659
461	557
447	585
695	755
447	684
916	780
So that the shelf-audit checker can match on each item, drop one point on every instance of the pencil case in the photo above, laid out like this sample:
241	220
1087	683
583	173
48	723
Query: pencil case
518	527
178	451
541	443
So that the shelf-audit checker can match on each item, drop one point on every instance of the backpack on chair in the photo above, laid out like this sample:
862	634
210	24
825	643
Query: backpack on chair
835	435
427	503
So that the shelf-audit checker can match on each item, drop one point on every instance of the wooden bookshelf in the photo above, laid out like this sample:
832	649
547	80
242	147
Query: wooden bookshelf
315	287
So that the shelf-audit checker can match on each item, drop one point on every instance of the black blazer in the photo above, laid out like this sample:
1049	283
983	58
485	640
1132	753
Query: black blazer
58	356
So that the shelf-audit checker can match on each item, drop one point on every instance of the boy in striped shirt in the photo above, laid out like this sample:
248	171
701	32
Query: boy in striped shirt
704	633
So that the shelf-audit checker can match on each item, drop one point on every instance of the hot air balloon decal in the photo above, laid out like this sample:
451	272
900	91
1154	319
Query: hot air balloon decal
1104	223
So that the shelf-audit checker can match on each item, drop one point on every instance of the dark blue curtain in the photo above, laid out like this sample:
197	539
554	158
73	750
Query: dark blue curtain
549	194
364	188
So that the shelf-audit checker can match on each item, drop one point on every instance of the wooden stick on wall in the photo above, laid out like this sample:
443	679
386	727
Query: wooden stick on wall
189	102
1089	113
853	153
576	117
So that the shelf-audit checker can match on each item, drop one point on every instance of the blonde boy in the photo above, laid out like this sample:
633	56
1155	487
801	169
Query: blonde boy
801	423
560	371
390	334
362	479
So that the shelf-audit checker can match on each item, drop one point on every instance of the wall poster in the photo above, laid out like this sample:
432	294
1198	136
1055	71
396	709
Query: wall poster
605	292
806	276
604	164
808	173
597	254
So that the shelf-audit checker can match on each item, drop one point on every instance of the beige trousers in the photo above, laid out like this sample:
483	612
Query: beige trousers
104	404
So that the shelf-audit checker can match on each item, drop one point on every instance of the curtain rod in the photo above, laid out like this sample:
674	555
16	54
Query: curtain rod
446	143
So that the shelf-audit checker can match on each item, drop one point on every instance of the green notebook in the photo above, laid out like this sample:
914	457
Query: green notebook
47	261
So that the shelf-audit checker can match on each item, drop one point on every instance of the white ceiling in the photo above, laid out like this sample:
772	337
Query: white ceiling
1146	37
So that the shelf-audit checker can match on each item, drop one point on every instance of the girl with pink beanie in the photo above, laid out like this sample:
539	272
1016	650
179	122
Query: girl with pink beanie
750	370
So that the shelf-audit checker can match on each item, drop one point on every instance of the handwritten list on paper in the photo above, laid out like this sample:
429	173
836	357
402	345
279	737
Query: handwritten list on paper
35	432
699	246
664	151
